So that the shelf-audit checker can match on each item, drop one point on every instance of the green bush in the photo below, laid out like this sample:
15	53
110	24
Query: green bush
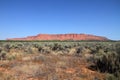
2	55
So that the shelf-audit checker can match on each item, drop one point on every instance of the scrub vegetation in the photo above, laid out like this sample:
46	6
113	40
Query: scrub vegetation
59	60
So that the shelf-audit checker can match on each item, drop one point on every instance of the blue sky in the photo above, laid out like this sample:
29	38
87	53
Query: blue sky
21	18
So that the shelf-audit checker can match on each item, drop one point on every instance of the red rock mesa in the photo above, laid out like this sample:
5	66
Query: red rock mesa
62	37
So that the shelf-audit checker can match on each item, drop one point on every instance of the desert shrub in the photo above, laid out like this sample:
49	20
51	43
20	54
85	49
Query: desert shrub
118	48
18	46
7	47
30	50
78	51
40	49
111	77
0	49
11	57
57	47
93	51
44	50
107	60
3	55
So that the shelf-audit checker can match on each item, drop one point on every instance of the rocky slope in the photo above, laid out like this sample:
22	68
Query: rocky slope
62	37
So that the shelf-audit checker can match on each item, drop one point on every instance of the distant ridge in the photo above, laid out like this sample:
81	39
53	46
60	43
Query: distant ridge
62	37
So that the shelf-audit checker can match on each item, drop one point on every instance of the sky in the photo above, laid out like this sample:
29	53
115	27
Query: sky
21	18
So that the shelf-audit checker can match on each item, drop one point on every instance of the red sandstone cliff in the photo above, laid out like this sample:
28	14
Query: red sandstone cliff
62	37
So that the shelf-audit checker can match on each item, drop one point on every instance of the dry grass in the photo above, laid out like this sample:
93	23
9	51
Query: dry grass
48	67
